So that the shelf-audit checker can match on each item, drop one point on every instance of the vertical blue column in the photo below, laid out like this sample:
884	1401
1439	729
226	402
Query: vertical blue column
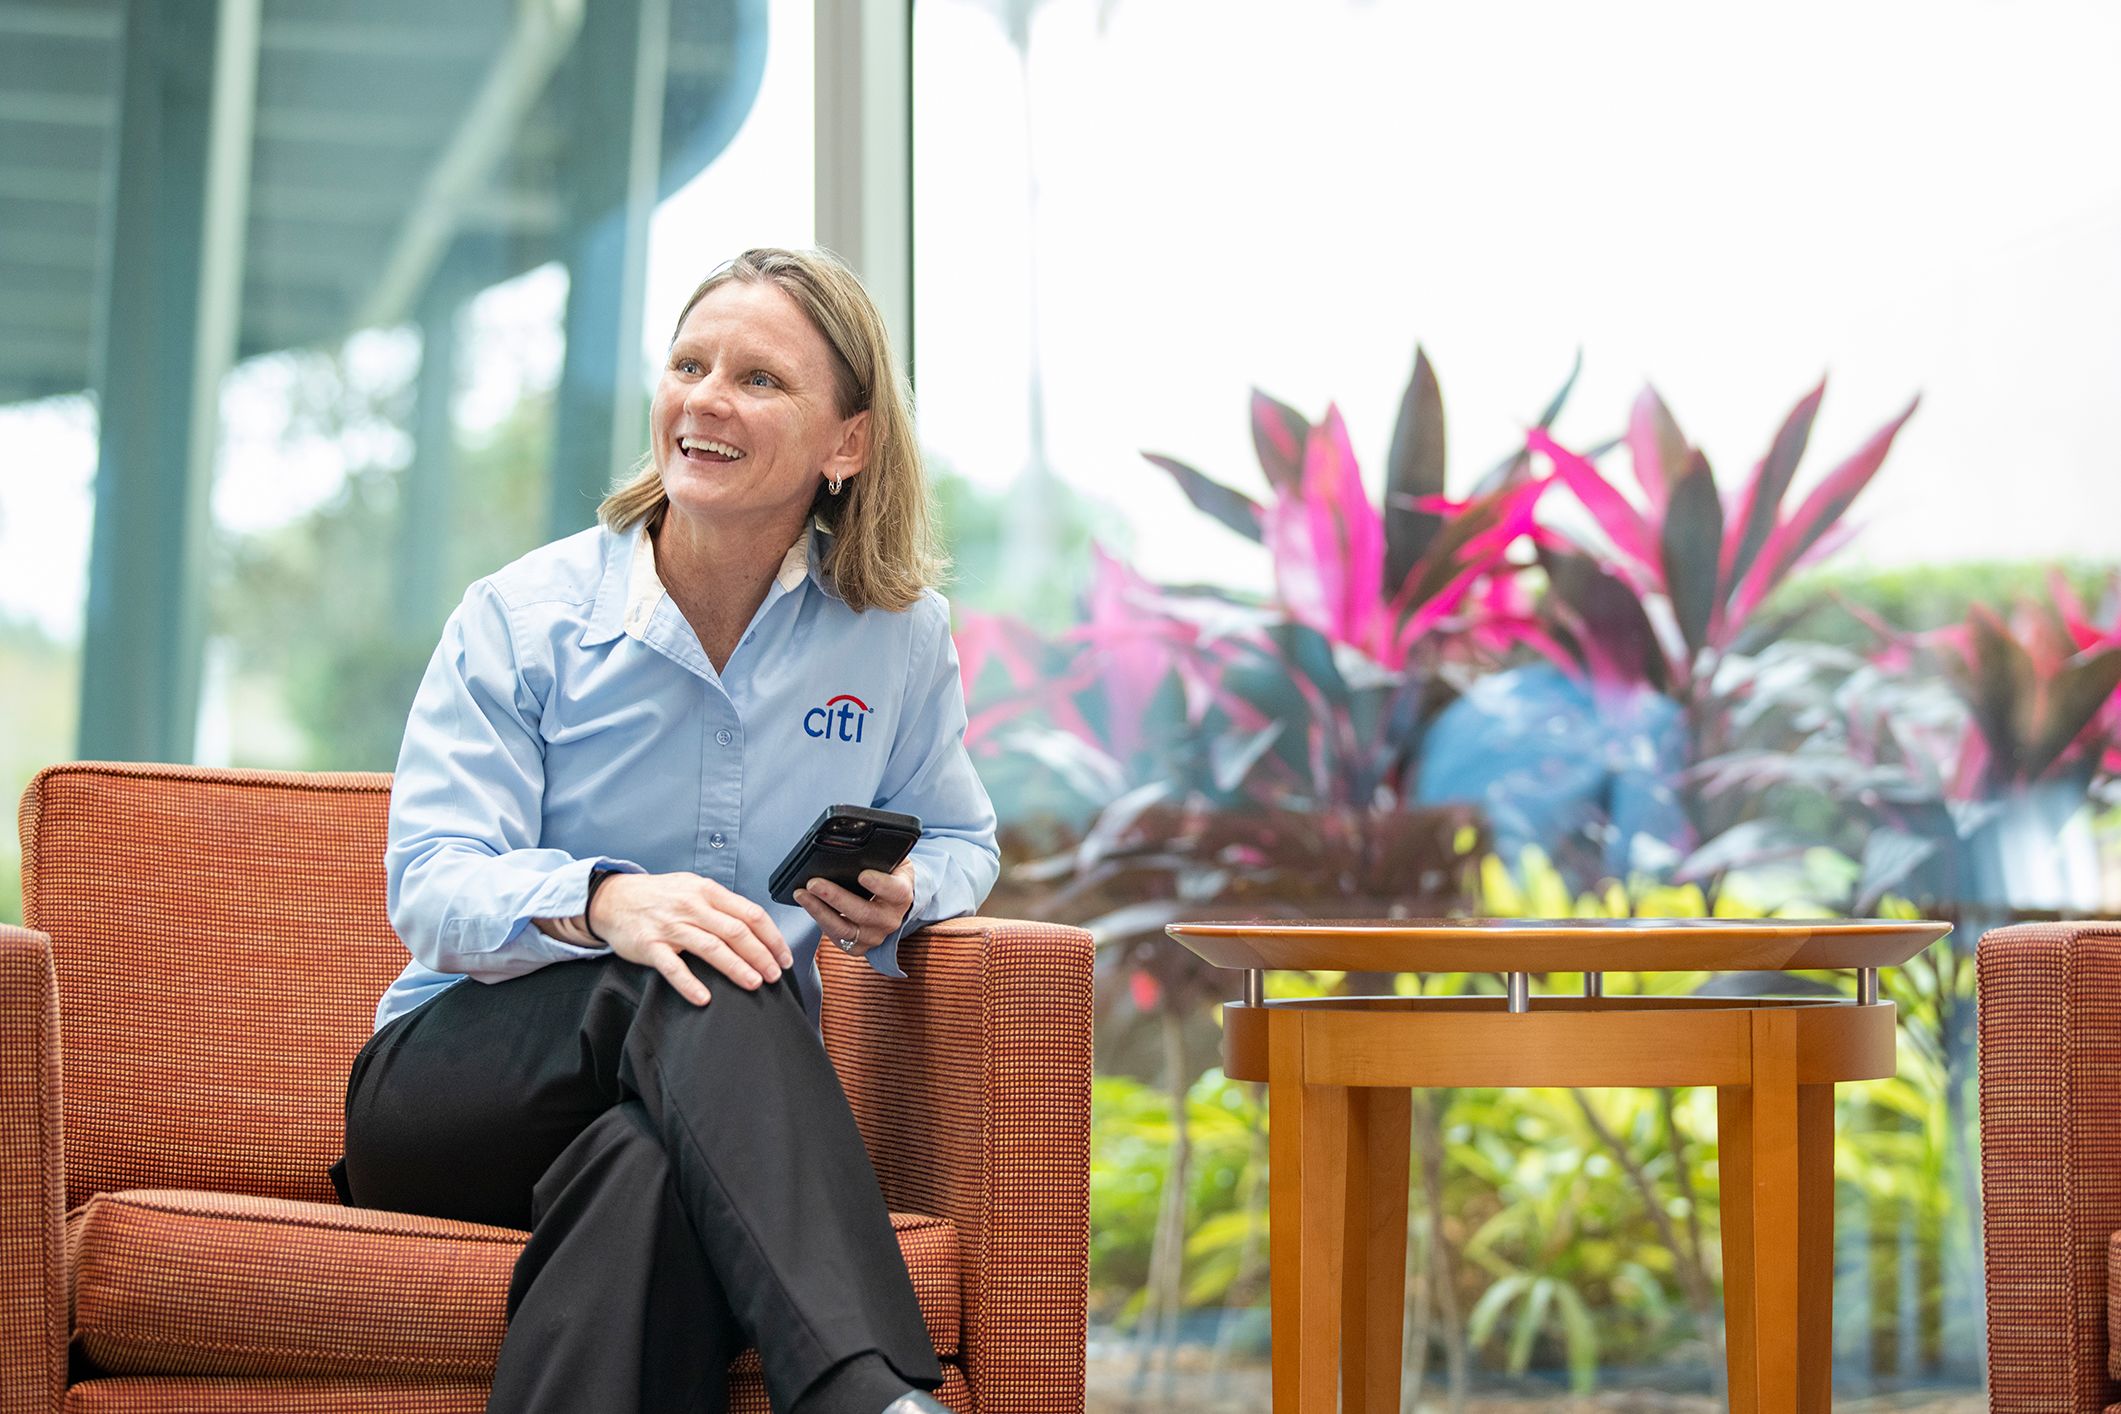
614	152
421	586
170	288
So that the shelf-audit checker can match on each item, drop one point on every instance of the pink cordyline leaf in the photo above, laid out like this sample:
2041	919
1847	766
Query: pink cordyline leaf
1005	640
1069	718
1748	524
1508	597
1432	613
1204	672
1347	534
1618	517
1499	636
1278	436
1587	662
1133	647
2082	631
1296	574
1829	544
1481	555
1969	773
1328	542
1488	553
995	638
1517	520
1829	500
1651	438
2046	638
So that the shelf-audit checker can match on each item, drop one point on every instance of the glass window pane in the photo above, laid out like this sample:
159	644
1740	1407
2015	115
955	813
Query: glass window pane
1133	218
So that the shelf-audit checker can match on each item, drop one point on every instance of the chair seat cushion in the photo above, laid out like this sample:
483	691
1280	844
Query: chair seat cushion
169	1282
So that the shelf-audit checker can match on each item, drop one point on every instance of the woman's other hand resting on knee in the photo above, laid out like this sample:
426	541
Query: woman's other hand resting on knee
653	919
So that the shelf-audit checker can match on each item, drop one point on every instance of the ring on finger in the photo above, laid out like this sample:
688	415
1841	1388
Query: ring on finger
848	945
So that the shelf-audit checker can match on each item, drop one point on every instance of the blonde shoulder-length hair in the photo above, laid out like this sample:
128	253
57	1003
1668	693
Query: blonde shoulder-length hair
884	548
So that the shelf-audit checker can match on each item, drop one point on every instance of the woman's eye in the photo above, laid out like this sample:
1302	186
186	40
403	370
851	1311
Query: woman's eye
760	378
687	365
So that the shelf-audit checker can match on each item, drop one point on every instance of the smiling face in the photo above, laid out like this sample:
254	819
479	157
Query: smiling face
746	420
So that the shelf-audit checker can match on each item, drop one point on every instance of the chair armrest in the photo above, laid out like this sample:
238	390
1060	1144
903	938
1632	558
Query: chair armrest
970	1080
33	1316
2050	1049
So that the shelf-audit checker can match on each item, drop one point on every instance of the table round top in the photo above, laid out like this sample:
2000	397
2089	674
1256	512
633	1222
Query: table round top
1558	944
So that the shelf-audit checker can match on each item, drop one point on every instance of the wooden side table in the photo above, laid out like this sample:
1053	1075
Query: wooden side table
1339	1072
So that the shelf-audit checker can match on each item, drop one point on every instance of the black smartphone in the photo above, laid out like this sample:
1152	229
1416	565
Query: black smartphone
840	844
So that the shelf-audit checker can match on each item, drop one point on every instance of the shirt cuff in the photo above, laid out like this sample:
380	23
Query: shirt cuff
565	895
884	956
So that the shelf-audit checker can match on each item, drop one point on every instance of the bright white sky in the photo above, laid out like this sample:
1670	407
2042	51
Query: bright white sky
1910	197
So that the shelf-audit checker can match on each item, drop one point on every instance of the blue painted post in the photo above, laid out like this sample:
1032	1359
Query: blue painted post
612	165
171	282
421	585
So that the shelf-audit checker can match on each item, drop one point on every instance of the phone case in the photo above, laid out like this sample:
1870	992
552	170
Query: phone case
840	844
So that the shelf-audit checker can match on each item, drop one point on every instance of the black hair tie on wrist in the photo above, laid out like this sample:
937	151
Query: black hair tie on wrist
597	878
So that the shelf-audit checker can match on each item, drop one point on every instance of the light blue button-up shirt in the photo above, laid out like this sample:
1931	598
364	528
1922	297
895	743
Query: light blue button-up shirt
570	721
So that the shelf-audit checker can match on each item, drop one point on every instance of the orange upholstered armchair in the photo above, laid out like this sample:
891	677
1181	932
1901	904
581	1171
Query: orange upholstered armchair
2051	1165
202	961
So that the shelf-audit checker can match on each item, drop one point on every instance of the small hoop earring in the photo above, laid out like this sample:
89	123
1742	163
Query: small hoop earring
834	482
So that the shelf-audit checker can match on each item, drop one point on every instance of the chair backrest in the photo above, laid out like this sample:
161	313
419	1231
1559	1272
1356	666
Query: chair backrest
220	943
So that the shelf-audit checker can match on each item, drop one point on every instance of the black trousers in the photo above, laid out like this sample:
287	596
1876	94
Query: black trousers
691	1177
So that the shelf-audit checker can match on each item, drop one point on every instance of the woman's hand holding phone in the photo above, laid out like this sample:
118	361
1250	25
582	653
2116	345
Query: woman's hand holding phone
844	914
653	919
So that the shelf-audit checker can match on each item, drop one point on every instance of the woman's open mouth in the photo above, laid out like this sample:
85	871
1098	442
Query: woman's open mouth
706	449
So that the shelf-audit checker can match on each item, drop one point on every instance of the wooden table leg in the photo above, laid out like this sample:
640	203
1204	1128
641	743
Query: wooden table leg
1307	1191
1815	1249
1374	1264
1775	1141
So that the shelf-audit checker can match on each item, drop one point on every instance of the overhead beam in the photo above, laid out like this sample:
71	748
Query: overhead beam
429	39
865	151
167	333
60	22
543	33
54	308
411	130
74	110
51	186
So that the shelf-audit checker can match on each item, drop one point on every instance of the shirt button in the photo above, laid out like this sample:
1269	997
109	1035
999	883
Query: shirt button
724	736
715	840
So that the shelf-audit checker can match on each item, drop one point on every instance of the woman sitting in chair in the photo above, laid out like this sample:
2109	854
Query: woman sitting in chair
614	745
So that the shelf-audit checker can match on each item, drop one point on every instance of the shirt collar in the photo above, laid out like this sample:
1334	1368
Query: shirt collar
631	589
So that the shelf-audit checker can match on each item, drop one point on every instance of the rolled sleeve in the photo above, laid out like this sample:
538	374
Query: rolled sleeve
464	869
930	774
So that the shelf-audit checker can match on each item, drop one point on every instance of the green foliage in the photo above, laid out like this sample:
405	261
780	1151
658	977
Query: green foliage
1918	598
1131	1139
1565	1236
976	526
313	606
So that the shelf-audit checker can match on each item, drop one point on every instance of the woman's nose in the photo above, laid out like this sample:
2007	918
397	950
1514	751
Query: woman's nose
709	395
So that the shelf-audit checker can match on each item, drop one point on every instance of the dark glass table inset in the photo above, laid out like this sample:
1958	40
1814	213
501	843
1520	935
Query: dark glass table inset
1339	1072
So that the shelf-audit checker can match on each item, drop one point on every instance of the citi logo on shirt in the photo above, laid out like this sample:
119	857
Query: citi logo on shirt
838	720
